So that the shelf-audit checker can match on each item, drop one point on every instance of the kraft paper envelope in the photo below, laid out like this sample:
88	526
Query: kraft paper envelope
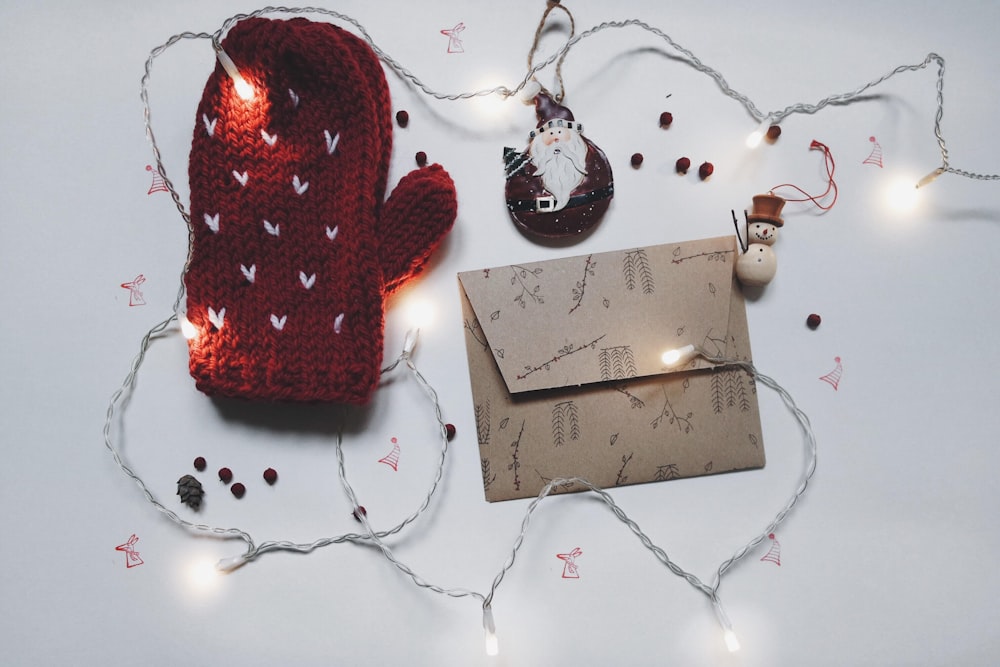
567	376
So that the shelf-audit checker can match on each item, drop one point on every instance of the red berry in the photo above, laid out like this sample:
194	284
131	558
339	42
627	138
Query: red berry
356	513
238	489
270	475
813	321
402	118
773	133
450	430
225	475
683	164
666	118
421	158
636	159
199	463
705	170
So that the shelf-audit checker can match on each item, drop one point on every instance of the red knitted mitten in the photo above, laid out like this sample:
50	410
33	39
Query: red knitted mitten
294	251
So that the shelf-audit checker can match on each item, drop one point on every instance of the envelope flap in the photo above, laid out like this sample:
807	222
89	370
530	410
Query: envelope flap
604	316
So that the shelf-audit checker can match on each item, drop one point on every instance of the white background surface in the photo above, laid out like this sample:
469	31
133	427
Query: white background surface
889	559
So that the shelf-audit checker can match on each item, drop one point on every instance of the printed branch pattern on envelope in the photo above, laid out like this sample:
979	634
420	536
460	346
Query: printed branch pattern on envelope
567	376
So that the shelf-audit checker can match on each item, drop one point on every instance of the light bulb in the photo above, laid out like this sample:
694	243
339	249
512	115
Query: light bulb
243	89
930	178
753	141
189	330
732	643
492	646
901	196
679	356
230	564
420	312
202	576
530	91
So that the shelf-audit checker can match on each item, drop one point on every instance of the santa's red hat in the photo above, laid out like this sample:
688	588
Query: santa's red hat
552	114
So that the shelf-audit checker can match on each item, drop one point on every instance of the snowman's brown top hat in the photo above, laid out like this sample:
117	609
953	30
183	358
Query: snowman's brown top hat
767	208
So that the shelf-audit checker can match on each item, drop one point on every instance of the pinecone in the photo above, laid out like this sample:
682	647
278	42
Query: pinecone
190	491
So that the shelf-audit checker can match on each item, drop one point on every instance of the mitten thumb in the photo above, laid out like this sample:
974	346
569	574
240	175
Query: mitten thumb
413	221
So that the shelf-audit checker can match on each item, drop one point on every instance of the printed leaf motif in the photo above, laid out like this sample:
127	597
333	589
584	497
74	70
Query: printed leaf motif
565	421
617	363
213	222
278	322
488	476
669	471
217	318
250	273
483	422
637	271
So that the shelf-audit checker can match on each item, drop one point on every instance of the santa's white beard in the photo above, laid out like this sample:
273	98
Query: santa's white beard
561	166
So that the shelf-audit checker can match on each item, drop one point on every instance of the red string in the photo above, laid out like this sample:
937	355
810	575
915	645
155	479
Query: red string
831	184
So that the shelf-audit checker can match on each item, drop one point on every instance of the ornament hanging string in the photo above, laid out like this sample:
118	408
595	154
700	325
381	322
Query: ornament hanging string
551	5
831	185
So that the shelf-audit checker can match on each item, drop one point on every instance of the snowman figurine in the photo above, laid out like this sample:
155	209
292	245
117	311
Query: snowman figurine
757	265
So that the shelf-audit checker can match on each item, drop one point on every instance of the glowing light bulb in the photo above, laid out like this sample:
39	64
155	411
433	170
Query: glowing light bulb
930	178
202	576
530	91
230	564
492	646
243	89
491	108
189	330
679	356
732	643
753	141
901	196
420	313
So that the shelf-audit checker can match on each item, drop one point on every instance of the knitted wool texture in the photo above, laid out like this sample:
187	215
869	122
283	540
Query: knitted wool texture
294	251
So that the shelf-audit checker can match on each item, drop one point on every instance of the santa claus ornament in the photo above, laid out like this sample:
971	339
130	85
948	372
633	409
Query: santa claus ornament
561	184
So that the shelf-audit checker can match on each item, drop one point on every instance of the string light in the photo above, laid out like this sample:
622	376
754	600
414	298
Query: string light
755	137
490	630
188	329
672	358
930	178
202	576
900	195
243	89
679	356
732	643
